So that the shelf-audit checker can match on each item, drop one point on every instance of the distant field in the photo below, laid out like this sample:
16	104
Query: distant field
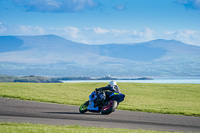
181	99
36	128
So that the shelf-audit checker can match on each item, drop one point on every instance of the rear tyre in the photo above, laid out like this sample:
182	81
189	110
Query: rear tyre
83	107
112	105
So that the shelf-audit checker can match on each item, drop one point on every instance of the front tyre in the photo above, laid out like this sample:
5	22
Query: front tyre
83	107
112	105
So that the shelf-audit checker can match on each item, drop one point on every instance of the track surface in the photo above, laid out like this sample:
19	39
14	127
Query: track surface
12	110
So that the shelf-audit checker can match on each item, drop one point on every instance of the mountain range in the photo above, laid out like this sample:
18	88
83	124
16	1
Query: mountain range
51	55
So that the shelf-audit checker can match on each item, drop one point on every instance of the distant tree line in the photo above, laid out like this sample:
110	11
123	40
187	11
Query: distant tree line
85	78
40	79
31	78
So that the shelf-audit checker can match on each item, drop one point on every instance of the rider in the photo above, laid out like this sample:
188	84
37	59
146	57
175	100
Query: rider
112	87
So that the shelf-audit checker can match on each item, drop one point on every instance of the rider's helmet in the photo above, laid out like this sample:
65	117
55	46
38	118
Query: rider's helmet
114	86
112	83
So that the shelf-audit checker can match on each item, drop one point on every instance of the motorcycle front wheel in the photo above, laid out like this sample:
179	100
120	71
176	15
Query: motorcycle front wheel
83	107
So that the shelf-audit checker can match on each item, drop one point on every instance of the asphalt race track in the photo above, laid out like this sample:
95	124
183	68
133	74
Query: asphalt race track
12	110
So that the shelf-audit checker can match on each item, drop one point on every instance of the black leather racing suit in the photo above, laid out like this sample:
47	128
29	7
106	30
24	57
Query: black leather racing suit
109	89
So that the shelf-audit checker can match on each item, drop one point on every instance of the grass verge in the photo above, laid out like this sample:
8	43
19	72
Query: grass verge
36	128
157	98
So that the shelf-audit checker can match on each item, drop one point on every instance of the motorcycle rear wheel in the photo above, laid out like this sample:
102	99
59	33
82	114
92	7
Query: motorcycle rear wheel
112	105
83	107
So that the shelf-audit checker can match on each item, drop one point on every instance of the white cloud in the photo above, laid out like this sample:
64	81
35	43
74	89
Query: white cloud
72	31
149	33
99	30
186	36
30	30
187	33
189	36
145	33
169	32
21	30
119	32
137	33
120	7
55	5
192	4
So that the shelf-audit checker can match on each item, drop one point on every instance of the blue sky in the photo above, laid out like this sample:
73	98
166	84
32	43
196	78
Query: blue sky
103	21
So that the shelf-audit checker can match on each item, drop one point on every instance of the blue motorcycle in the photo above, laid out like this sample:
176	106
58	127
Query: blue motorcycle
105	102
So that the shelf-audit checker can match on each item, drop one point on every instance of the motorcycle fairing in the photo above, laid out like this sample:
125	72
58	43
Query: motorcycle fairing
117	96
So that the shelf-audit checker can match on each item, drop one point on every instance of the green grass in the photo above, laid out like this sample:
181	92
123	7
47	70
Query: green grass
36	128
181	99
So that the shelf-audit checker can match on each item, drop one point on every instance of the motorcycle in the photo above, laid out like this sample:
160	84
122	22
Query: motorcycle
105	102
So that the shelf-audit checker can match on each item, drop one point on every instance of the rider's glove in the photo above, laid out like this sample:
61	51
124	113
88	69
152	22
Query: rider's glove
96	90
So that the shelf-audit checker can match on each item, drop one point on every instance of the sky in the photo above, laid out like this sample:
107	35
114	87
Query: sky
103	21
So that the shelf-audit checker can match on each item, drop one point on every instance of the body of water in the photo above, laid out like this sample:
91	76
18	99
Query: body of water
168	81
